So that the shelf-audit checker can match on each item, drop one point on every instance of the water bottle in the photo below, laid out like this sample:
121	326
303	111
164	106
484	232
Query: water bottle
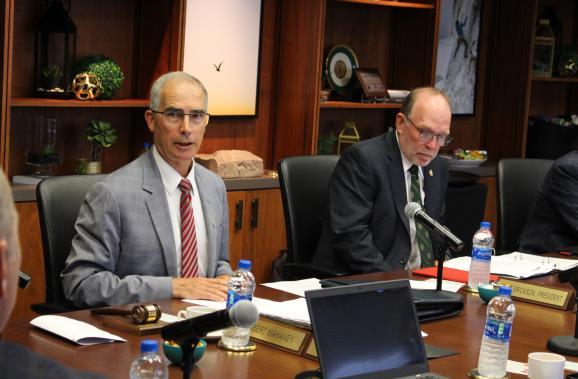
149	365
496	339
241	287
482	248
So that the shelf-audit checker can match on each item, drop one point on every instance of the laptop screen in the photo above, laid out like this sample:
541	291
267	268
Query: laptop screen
367	331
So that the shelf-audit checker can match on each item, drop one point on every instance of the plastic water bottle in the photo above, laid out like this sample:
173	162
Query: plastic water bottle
241	287
482	248
149	365
496	339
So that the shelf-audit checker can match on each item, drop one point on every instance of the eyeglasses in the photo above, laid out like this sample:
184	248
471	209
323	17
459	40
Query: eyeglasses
175	117
426	136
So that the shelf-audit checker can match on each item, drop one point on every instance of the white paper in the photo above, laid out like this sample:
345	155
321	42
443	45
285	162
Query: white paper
431	284
518	265
76	331
296	287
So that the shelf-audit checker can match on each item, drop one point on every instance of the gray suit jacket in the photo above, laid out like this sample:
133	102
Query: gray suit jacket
366	229
124	249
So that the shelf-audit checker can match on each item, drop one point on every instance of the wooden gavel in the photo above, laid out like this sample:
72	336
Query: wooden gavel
140	314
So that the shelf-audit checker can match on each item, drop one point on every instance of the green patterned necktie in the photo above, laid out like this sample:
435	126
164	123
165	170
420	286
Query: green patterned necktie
421	233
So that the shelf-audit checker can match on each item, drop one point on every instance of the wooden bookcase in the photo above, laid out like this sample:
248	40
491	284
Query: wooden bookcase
397	37
513	93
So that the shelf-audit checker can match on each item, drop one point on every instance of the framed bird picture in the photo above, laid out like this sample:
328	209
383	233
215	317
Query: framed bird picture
222	49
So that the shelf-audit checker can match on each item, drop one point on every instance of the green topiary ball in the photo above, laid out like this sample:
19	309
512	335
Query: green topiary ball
108	71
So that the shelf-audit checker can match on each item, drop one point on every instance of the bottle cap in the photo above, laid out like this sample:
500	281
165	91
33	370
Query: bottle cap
505	290
245	264
485	224
148	346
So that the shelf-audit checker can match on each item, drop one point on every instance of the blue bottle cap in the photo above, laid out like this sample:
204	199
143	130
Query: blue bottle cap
485	224
245	264
505	290
148	346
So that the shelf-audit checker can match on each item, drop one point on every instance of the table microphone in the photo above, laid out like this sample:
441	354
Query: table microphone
243	314
414	211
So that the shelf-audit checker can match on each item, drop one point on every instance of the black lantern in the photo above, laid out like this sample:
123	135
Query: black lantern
55	50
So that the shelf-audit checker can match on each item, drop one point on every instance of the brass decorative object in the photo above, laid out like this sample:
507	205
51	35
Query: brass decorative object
86	86
347	136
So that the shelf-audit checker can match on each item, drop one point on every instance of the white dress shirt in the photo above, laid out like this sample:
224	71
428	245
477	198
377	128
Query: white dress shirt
171	179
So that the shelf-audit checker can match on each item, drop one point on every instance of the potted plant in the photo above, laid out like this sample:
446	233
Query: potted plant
102	135
52	75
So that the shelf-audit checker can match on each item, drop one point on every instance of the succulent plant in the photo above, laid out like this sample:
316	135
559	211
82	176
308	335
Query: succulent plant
52	71
102	135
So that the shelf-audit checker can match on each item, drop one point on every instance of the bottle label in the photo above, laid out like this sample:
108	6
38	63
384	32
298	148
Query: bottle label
482	254
233	297
498	330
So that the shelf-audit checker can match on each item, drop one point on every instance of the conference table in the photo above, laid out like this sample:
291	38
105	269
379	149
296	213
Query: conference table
533	325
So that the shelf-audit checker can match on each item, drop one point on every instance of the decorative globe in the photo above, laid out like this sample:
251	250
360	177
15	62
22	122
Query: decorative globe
86	86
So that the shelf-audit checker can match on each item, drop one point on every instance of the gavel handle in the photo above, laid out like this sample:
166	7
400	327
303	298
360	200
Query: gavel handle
111	311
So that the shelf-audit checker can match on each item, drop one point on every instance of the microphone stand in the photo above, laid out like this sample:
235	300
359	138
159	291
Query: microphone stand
443	248
188	347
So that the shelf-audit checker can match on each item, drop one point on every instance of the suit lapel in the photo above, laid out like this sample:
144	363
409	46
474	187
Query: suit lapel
208	200
430	178
159	212
397	177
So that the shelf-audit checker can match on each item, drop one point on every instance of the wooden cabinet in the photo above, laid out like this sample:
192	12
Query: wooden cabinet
398	38
256	229
514	94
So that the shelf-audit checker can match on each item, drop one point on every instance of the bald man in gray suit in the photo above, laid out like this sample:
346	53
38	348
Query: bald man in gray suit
128	243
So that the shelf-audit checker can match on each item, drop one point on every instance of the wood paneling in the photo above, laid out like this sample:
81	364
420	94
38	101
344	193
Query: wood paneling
491	212
32	261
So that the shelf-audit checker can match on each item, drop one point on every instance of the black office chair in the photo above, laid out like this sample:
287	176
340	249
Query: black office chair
465	207
304	182
59	199
518	183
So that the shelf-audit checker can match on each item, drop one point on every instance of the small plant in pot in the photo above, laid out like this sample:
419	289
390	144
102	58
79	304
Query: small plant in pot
52	77
102	135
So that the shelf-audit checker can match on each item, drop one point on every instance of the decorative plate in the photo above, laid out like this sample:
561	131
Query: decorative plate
340	65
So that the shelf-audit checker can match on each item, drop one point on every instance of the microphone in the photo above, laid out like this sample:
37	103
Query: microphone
243	314
413	210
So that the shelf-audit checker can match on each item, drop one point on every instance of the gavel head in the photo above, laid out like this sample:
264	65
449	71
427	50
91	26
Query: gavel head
146	314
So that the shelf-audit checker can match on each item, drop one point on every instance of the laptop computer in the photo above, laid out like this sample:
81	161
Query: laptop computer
368	331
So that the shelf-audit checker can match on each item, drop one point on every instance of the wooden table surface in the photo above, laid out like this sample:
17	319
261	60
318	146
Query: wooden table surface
533	325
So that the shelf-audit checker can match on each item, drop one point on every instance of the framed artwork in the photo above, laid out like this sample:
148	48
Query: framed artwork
222	44
457	53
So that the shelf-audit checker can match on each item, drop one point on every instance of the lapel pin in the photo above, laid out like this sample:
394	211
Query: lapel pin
430	172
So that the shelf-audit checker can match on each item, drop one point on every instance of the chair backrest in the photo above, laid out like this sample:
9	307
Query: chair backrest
518	183
304	182
59	199
465	208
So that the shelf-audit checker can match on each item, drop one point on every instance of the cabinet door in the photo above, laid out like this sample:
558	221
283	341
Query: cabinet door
236	201
256	229
265	231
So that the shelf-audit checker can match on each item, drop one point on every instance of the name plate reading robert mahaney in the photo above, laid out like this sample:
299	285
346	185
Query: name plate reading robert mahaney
539	294
278	334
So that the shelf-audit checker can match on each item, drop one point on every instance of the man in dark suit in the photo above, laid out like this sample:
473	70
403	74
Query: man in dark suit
365	229
552	224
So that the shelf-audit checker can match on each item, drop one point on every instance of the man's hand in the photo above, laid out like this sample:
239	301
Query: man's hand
201	288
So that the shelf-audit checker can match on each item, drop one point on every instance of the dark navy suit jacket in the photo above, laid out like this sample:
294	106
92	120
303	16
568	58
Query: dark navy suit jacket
365	229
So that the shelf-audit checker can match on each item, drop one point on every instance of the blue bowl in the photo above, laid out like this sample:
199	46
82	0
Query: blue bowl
488	291
174	354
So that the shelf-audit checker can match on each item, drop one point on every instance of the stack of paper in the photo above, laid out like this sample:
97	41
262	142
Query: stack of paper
518	265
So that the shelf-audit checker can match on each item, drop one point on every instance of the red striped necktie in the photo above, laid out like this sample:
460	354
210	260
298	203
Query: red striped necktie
189	264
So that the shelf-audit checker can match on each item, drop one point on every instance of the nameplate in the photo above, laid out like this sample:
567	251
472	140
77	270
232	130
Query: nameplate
539	294
277	334
311	350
